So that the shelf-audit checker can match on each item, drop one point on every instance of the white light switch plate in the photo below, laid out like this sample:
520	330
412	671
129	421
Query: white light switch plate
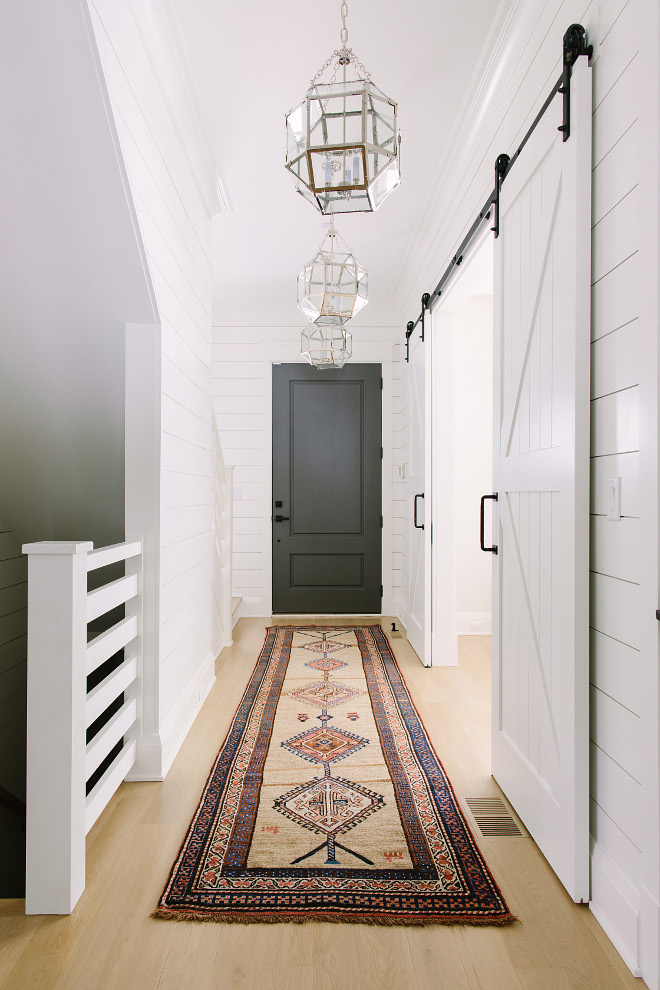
614	499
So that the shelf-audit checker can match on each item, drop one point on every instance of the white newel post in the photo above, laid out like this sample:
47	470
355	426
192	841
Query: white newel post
57	644
142	522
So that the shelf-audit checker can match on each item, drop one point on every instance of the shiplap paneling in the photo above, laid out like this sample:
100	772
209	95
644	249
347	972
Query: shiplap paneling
614	299
147	93
614	608
614	360
615	423
617	335
615	547
615	670
615	729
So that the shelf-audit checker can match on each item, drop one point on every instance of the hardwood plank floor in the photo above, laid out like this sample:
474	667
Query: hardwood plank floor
111	943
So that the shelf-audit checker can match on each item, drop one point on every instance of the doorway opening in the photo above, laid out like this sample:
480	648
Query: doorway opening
462	459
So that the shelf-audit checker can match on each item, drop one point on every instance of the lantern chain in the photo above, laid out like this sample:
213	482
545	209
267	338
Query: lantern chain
343	34
344	56
334	233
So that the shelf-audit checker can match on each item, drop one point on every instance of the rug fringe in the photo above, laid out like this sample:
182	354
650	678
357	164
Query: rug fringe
277	918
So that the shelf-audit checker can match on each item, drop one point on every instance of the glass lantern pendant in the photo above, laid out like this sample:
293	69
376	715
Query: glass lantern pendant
343	140
333	283
325	343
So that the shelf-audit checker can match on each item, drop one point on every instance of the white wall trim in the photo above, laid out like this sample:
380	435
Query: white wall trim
180	721
252	608
620	918
649	926
387	397
443	599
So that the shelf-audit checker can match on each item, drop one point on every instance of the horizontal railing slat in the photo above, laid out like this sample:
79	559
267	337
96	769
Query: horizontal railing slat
116	727
110	688
101	793
101	600
110	555
109	642
107	737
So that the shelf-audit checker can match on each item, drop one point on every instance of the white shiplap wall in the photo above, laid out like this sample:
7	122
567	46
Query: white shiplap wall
13	664
617	354
620	834
242	400
173	196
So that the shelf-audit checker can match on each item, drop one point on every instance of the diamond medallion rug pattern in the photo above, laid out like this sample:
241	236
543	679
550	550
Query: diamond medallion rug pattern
325	824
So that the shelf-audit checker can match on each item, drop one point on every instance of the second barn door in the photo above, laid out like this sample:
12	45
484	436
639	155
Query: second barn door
327	521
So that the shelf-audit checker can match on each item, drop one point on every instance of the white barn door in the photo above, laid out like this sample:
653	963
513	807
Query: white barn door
419	494
541	475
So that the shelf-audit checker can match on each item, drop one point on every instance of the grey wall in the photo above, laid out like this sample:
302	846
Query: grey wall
71	276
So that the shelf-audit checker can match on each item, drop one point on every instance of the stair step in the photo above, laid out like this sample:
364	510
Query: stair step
235	602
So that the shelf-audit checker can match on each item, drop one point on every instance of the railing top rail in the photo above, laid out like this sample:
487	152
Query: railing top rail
110	555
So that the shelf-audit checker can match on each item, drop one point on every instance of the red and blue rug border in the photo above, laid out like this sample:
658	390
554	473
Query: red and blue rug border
480	901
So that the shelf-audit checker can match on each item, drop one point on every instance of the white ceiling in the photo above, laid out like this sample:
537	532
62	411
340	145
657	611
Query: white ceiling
248	63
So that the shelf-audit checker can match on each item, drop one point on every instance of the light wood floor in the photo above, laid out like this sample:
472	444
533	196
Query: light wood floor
111	943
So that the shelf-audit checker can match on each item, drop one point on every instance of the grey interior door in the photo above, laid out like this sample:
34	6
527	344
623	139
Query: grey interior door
327	521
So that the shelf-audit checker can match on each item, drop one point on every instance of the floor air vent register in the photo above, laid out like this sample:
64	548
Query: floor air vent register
493	818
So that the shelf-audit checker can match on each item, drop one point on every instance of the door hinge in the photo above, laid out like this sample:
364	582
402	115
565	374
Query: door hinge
381	522
381	384
381	453
381	591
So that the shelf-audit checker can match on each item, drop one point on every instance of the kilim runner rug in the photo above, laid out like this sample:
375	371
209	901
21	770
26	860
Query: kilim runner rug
327	801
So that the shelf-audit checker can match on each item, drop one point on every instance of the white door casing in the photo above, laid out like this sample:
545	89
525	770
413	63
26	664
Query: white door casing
540	729
419	494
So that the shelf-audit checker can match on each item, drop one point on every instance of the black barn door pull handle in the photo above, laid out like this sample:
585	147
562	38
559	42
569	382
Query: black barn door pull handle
417	526
492	549
281	518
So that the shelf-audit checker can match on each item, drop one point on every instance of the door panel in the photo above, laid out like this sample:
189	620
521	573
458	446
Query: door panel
541	474
327	475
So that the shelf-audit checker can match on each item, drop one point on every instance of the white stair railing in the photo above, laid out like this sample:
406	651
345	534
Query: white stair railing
61	764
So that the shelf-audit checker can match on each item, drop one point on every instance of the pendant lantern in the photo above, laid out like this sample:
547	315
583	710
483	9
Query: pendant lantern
343	139
325	343
333	283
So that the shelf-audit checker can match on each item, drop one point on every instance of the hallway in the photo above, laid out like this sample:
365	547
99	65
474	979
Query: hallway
111	943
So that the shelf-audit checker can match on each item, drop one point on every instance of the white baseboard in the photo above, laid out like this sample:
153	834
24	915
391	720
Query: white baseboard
649	939
148	760
398	611
250	608
156	754
474	623
615	903
223	642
